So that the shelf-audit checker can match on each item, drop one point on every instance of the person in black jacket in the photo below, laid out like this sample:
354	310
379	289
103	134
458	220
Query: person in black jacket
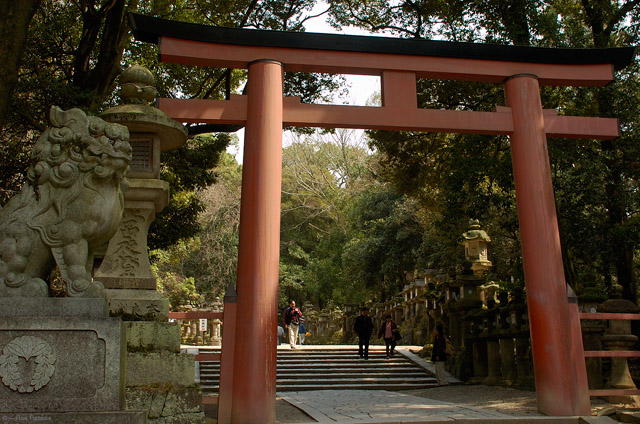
439	355
363	327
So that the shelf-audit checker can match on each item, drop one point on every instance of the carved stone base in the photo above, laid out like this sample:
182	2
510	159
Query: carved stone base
60	356
160	379
178	405
137	305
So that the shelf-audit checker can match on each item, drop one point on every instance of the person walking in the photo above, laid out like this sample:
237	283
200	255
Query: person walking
280	334
302	331
439	355
388	331
292	317
363	327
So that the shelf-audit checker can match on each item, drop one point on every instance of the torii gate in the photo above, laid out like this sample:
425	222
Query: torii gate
558	354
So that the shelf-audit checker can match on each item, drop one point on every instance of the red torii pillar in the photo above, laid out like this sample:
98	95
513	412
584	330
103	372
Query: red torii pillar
558	353
549	315
254	376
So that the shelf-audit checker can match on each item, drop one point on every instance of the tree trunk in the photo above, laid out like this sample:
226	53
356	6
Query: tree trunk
15	17
105	32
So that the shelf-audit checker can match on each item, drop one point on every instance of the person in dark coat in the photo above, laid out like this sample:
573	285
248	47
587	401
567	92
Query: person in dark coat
439	355
292	319
389	331
363	327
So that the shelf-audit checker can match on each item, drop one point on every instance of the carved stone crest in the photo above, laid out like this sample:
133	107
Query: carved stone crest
27	347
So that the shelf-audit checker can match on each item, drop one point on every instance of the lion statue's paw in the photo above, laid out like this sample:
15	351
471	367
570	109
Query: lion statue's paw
95	289
27	287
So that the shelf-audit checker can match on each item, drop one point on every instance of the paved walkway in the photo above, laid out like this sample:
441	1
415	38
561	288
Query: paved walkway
385	407
380	407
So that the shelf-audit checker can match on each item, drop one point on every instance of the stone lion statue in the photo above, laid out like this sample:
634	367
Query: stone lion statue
71	204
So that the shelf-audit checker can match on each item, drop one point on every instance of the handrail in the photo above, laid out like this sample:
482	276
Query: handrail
196	315
605	315
611	353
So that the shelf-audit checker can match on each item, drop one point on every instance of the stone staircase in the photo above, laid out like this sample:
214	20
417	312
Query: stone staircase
324	368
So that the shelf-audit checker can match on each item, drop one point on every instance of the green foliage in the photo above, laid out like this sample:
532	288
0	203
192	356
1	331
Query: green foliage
346	236
209	260
167	266
186	169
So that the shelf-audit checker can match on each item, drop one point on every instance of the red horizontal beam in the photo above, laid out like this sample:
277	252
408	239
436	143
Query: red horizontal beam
209	400
606	315
298	114
187	52
388	118
611	354
208	357
196	315
582	127
614	392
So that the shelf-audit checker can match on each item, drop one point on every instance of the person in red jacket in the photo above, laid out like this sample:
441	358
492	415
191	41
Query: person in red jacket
292	317
389	331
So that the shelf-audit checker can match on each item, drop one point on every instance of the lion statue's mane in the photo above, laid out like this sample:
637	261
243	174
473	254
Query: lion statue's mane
71	204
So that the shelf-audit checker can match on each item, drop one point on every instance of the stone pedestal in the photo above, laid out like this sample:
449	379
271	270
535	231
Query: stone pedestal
160	379
523	362
480	369
62	360
493	362
508	360
216	338
126	262
618	337
592	332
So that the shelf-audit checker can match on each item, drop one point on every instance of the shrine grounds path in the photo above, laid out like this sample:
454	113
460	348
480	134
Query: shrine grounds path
457	403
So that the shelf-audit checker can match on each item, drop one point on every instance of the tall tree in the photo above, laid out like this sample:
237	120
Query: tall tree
15	17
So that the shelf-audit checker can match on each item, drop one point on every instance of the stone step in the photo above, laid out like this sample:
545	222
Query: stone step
394	362
345	379
297	387
321	368
319	372
334	375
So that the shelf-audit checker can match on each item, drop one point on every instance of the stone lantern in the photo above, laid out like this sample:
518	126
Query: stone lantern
126	262
153	344
618	337
475	242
